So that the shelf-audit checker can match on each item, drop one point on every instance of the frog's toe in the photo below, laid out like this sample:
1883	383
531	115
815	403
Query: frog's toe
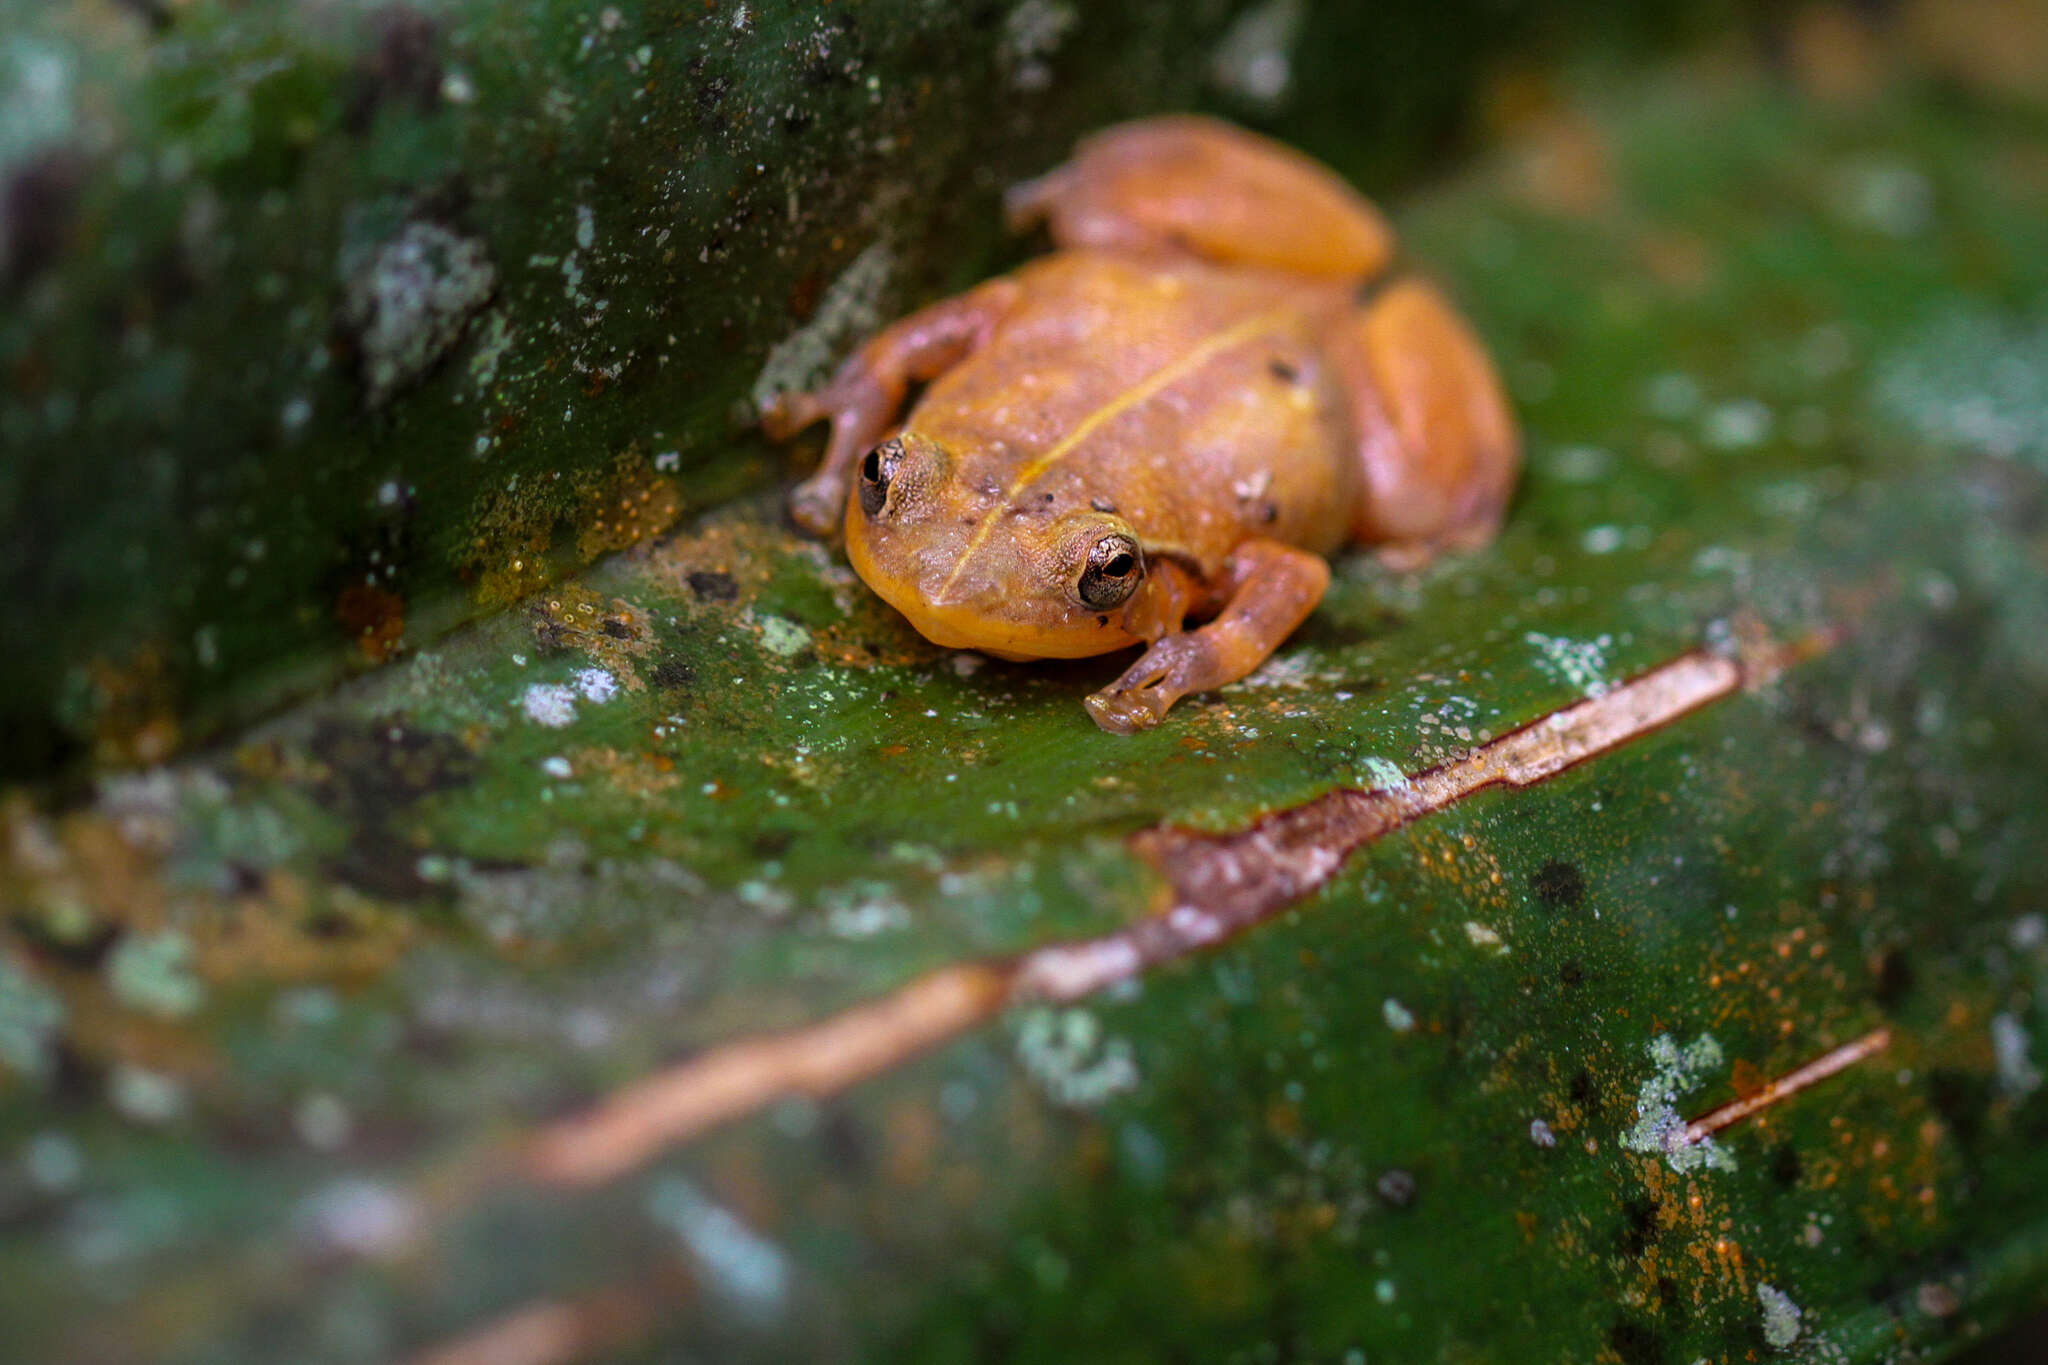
1124	712
816	503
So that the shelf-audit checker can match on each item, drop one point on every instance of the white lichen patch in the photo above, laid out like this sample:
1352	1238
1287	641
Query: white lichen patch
1381	774
1066	1052
2010	1045
549	704
849	311
1398	1016
408	299
597	685
153	973
741	1266
1581	664
1032	32
863	910
1738	424
36	108
1659	1128
494	339
1973	381
1781	1316
1484	936
1255	58
780	636
31	1014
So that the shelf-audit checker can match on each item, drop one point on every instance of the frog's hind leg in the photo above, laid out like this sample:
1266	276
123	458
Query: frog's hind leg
1436	440
1194	184
862	398
1271	589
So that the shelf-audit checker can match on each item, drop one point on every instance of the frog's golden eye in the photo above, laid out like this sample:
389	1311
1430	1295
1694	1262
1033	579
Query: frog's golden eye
875	472
1112	572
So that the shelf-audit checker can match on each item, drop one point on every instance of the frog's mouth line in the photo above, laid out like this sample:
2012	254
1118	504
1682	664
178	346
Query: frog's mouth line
966	625
1224	884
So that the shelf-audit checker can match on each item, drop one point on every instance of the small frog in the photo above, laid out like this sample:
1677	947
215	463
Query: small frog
1177	414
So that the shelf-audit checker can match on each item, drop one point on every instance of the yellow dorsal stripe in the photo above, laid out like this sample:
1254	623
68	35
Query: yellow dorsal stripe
1149	387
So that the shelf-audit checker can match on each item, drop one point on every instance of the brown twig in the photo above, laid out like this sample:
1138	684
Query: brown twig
1787	1085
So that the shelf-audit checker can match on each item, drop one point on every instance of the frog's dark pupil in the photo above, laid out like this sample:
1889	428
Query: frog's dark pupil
1112	574
874	480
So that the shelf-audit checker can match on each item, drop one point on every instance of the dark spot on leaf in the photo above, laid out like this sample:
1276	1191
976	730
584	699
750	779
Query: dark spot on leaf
713	585
1572	974
37	205
1894	980
84	950
403	66
1582	1091
155	13
1670	1304
845	1145
1559	885
772	843
375	773
330	925
1637	1343
1397	1187
1640	1227
1961	1099
711	93
1786	1167
672	674
616	628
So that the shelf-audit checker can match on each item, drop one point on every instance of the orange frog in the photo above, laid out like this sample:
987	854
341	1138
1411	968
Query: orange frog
1177	414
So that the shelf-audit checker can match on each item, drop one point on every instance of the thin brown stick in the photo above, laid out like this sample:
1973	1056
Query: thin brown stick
741	1077
1788	1085
1223	884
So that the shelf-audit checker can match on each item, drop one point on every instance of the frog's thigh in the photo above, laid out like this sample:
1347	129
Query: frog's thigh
1436	439
862	398
1198	185
1273	588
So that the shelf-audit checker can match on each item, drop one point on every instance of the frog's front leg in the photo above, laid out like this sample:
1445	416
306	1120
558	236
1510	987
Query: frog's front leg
1271	589
862	398
1184	183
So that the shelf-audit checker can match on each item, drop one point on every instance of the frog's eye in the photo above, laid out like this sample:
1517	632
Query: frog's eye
1112	572
875	472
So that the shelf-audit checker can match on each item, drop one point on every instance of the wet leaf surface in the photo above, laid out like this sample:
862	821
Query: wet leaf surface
282	1017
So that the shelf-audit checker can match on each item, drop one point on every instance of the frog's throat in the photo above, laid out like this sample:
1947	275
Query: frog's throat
1151	386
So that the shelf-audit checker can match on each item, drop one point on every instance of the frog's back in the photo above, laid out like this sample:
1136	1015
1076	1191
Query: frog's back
1194	399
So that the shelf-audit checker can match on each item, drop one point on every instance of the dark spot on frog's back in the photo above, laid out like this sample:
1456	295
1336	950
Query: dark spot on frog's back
1282	371
1559	885
713	585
